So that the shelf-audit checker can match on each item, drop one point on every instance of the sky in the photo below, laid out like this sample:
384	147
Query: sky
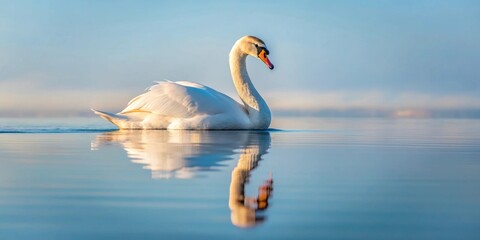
399	58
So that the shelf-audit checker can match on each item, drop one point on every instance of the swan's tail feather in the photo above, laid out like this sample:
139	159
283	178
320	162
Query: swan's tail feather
116	119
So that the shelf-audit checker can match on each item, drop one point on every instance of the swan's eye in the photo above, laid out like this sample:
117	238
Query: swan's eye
259	49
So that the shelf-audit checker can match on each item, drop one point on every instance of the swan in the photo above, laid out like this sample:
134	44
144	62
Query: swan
189	105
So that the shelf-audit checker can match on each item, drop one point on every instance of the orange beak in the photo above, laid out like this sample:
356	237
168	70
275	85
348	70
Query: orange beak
263	56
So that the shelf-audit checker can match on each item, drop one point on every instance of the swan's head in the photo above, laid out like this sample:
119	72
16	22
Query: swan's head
255	47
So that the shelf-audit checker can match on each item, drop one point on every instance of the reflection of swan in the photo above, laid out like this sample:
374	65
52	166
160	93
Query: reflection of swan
176	154
187	105
244	209
181	154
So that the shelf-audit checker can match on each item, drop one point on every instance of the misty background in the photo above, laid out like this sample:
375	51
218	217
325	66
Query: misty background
332	58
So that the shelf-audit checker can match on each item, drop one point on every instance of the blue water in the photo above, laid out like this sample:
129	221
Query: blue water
331	178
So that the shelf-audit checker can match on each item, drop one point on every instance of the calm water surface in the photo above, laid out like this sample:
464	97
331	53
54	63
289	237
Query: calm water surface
308	178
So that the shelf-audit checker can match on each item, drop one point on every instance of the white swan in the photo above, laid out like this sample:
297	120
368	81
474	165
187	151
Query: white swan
188	105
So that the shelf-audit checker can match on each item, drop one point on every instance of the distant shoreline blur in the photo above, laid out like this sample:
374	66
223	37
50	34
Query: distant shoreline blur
328	113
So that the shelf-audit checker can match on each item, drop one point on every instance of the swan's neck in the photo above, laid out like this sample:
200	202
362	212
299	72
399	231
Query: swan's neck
255	107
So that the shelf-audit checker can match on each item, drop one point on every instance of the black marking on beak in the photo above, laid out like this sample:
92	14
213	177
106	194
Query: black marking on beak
259	50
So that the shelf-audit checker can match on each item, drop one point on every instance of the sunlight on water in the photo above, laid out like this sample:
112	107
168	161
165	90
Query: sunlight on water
307	178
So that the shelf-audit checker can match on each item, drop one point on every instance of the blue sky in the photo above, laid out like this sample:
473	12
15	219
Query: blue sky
410	57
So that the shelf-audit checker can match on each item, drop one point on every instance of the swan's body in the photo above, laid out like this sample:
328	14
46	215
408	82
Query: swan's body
188	105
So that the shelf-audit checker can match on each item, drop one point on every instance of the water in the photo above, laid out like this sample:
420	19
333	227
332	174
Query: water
332	178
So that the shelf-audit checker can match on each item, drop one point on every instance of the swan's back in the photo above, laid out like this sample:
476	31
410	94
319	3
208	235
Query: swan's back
180	105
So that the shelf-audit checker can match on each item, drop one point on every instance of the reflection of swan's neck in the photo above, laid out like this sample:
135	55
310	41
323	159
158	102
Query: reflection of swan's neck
256	107
242	215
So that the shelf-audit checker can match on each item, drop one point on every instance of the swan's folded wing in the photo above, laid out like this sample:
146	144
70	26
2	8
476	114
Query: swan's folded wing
179	99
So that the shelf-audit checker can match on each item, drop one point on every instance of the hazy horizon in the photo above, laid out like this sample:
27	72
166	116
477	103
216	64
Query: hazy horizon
348	58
